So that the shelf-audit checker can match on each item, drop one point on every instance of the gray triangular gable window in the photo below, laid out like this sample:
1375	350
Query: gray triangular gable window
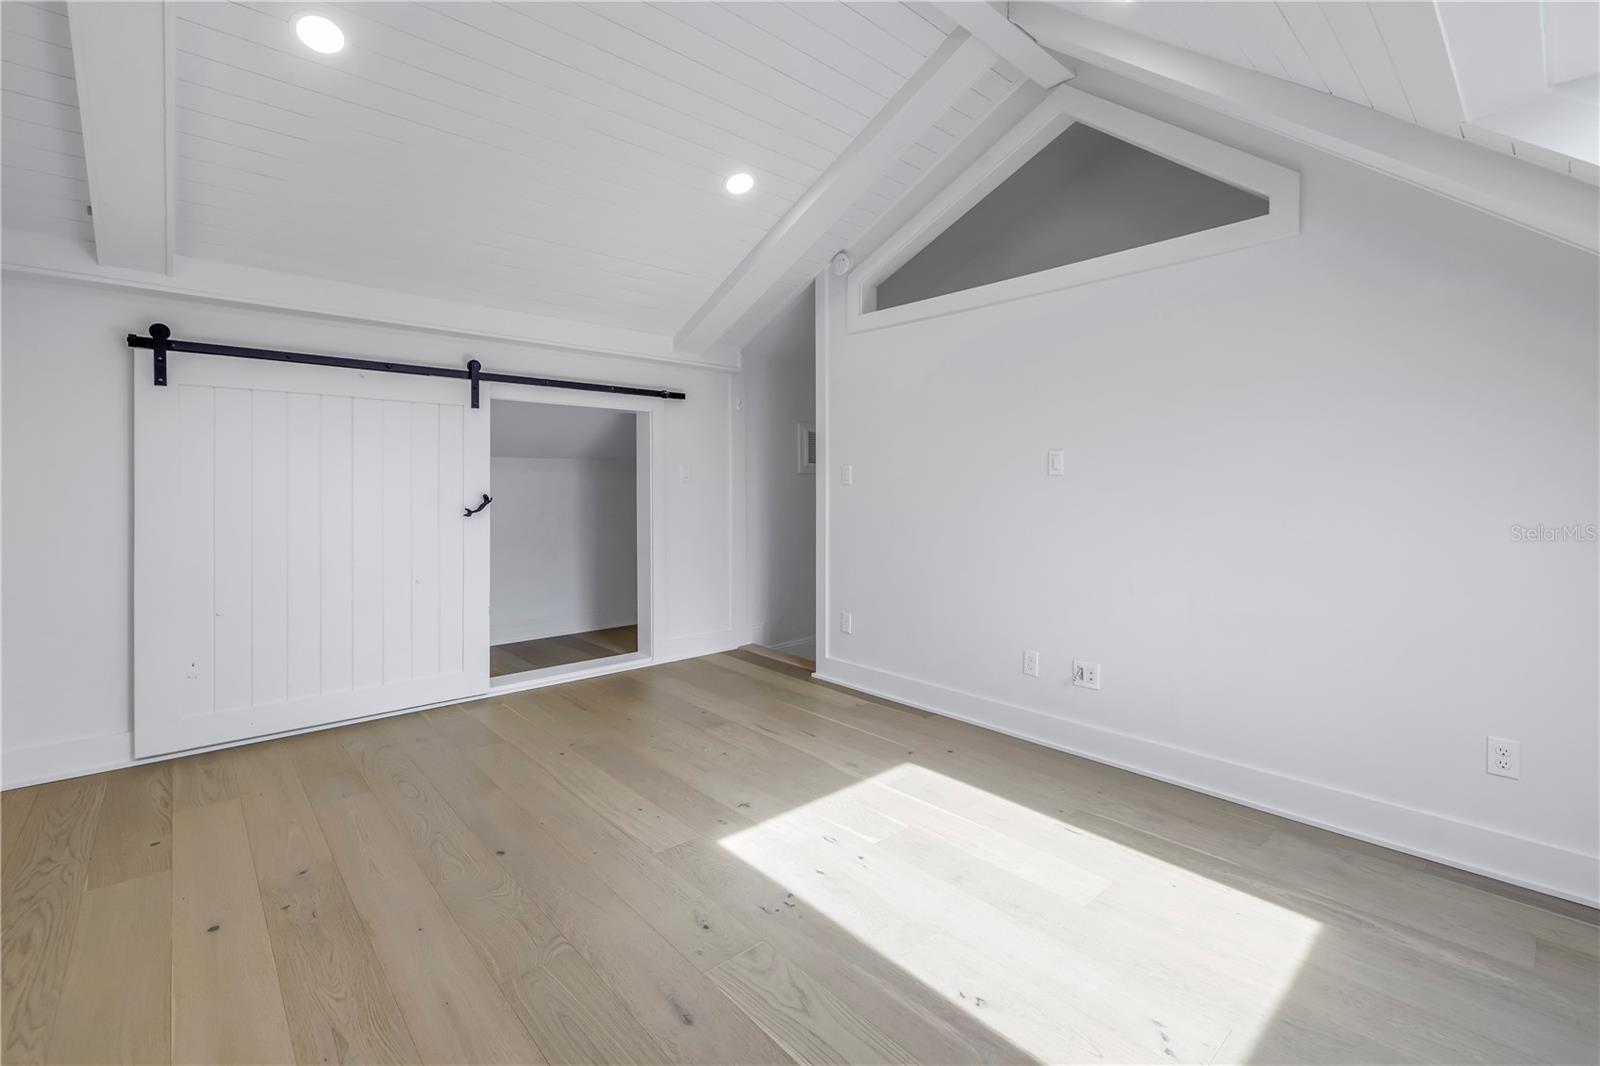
1086	194
1079	190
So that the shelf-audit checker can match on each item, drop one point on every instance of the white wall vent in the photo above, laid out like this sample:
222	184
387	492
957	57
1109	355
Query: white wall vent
806	436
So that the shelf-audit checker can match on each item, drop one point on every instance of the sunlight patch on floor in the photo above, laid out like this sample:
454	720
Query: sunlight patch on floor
1071	946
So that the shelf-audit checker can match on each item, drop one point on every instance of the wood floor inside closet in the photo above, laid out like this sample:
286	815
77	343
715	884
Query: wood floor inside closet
525	655
724	861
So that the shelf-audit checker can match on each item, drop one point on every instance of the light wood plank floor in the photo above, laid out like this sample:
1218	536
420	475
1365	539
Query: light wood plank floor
723	861
562	651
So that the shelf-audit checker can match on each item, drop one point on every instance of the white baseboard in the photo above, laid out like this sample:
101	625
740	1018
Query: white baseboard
540	628
65	758
804	647
697	644
1539	865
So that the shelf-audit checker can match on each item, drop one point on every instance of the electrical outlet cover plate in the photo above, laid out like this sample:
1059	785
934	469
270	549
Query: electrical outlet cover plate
1502	757
1085	675
1030	662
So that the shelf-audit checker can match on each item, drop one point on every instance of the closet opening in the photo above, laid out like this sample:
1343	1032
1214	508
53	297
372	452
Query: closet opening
567	559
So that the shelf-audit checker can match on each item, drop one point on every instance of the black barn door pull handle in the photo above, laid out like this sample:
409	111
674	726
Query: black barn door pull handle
470	511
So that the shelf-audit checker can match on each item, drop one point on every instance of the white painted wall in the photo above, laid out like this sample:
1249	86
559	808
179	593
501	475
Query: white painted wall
1286	526
779	393
67	478
563	555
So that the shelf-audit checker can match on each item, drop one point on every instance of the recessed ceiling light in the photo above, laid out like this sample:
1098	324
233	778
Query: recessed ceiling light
740	183
319	34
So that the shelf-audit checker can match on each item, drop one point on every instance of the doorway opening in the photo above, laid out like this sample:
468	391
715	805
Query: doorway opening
565	560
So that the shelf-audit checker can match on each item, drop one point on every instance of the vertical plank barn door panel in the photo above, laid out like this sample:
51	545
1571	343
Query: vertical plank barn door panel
300	553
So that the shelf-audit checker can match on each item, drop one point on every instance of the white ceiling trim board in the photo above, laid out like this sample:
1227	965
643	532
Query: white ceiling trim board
979	140
941	81
62	257
123	61
1009	42
1540	200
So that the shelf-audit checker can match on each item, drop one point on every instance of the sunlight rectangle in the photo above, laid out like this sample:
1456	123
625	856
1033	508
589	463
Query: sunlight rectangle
1072	946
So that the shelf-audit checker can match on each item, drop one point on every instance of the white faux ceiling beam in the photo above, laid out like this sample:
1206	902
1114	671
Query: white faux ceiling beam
1496	51
958	63
1009	42
1540	200
1426	75
209	280
122	58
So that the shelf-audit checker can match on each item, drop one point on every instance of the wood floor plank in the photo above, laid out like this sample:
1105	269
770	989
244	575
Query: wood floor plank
673	794
115	1003
14	806
671	998
699	927
564	650
336	998
562	1001
453	1007
927	1024
590	1026
201	779
511	932
809	1022
461	726
737	775
226	1003
323	765
134	838
42	891
1058	1006
610	798
849	750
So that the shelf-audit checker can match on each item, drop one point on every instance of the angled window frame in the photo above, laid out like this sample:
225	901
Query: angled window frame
1062	107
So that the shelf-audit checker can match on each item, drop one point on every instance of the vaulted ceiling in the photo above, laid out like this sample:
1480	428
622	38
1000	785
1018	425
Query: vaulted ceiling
1519	77
561	159
554	172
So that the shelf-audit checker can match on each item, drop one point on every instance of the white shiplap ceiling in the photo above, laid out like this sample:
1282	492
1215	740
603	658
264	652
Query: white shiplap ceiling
1395	56
41	143
558	159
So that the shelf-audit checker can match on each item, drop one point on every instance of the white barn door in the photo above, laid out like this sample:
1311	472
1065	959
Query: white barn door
300	552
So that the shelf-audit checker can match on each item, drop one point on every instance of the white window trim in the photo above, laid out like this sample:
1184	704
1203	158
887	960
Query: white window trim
1064	105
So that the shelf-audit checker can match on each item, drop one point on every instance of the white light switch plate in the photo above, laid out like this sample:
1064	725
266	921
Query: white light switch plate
847	475
1055	462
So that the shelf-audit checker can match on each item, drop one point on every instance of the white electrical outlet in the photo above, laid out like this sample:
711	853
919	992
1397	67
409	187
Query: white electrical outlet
847	475
846	623
1055	462
1030	662
1085	675
1503	757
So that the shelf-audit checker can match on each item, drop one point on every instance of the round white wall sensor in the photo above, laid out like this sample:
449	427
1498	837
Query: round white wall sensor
841	264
